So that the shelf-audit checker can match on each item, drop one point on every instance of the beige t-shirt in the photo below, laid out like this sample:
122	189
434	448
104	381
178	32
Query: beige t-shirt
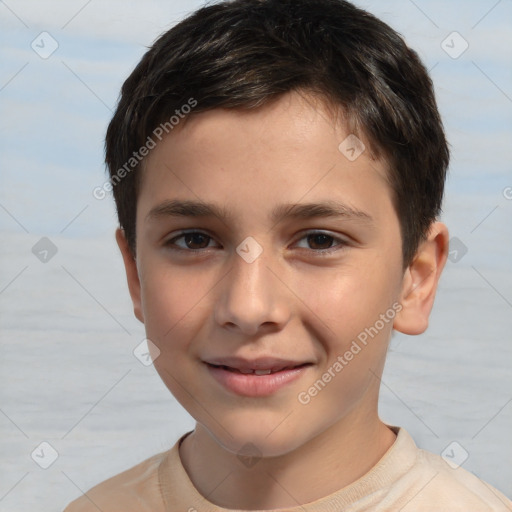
406	479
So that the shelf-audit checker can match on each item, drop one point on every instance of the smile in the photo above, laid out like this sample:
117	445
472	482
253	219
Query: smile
256	382
265	371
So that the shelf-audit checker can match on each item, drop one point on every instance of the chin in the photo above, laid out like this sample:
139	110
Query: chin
250	438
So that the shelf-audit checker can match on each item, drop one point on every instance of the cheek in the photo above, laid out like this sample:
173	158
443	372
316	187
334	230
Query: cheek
355	343
346	301
172	300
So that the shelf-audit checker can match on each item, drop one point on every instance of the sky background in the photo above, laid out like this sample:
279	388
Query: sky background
67	331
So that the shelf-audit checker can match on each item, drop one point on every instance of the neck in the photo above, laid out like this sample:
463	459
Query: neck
332	460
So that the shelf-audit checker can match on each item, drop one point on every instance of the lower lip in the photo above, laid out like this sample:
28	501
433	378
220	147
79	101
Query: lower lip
250	384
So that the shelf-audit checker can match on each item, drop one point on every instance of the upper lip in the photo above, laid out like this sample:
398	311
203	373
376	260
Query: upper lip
260	363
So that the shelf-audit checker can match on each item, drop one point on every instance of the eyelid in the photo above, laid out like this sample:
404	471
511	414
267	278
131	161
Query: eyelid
342	242
183	232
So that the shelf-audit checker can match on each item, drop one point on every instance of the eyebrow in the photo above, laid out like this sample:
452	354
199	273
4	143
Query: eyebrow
179	208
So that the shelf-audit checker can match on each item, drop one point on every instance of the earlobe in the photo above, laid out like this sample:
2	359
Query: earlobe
132	275
420	281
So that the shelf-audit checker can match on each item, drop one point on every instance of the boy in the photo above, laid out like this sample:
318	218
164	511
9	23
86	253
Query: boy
278	168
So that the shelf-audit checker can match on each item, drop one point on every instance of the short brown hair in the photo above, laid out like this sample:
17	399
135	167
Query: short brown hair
243	54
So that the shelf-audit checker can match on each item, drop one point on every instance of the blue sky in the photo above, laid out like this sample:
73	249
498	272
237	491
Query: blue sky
61	321
54	111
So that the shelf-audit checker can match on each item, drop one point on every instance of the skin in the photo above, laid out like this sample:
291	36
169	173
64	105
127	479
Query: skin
294	301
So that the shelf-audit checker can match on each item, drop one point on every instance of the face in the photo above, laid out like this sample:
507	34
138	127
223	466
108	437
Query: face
263	246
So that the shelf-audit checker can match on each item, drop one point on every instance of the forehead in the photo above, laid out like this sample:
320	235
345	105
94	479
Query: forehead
293	150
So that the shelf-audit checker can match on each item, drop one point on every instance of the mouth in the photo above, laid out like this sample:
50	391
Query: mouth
258	371
257	378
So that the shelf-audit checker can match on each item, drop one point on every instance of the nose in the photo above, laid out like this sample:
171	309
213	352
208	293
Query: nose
252	299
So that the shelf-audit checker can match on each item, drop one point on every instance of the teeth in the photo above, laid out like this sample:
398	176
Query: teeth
255	372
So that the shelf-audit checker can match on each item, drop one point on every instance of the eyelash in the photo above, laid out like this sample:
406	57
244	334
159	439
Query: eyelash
340	243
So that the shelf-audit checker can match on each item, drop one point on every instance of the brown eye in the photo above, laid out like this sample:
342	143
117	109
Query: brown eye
193	241
196	240
320	241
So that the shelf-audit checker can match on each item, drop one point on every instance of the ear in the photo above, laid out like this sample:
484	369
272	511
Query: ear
420	281
132	274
